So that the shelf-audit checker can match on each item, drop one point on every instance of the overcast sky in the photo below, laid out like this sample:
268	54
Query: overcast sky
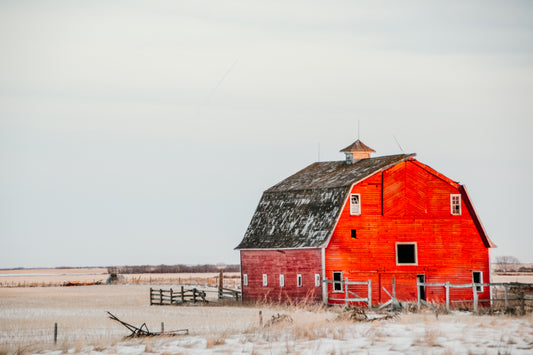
144	132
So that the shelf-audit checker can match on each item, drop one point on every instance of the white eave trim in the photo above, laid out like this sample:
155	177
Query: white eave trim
295	248
476	216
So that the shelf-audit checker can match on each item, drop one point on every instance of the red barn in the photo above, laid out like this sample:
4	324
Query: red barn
364	219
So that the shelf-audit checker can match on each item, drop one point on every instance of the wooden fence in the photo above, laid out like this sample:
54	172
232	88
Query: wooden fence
229	293
168	297
349	296
510	296
518	295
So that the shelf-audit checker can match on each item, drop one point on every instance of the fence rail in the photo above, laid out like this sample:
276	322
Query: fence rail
349	296
517	289
168	297
229	293
515	295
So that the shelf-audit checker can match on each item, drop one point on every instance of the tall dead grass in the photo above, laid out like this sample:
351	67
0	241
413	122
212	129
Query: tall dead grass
28	316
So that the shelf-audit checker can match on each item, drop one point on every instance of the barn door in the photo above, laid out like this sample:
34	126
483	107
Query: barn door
421	288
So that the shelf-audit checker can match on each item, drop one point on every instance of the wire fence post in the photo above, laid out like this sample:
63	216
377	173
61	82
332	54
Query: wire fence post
55	333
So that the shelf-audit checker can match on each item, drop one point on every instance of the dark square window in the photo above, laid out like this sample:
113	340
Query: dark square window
354	234
477	278
337	281
406	253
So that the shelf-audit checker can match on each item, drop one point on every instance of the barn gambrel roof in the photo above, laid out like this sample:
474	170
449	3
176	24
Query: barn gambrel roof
302	210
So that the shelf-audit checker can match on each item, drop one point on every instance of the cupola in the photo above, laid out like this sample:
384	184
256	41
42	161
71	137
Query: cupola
356	151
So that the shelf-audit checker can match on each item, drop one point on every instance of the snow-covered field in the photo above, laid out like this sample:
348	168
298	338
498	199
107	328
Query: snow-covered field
27	317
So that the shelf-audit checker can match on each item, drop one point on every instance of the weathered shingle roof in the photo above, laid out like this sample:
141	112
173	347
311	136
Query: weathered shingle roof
301	211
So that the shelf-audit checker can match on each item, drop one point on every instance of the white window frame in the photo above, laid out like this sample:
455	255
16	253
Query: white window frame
281	280
455	203
406	243
245	279
265	280
299	280
335	283
478	288
355	208
317	280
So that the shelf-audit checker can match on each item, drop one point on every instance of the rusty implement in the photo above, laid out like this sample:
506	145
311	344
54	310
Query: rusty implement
142	331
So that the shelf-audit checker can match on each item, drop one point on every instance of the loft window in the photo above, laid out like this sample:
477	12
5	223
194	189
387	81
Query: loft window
406	254
245	280
354	234
355	204
337	281
455	204
317	280
265	280
281	280
477	278
299	280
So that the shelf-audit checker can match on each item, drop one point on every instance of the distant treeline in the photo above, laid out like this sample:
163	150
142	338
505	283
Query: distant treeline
515	269
171	269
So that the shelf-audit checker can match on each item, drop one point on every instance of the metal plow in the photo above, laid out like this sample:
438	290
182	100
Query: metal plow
142	331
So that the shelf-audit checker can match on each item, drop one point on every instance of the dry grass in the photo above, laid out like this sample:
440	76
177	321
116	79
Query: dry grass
58	277
28	315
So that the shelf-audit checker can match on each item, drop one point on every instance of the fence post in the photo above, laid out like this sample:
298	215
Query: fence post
369	294
505	295
522	302
346	291
55	333
418	302
325	291
151	303
162	327
474	289
160	296
182	295
220	283
447	296
171	296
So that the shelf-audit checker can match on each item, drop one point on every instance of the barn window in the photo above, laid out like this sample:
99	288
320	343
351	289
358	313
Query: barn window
299	280
245	280
455	204
354	234
317	280
281	280
337	281
406	254
355	204
477	278
265	280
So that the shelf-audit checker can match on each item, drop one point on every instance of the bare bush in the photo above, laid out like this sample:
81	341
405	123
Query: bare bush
506	263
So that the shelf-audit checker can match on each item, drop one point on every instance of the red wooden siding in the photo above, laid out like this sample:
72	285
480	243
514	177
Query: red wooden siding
408	203
290	263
